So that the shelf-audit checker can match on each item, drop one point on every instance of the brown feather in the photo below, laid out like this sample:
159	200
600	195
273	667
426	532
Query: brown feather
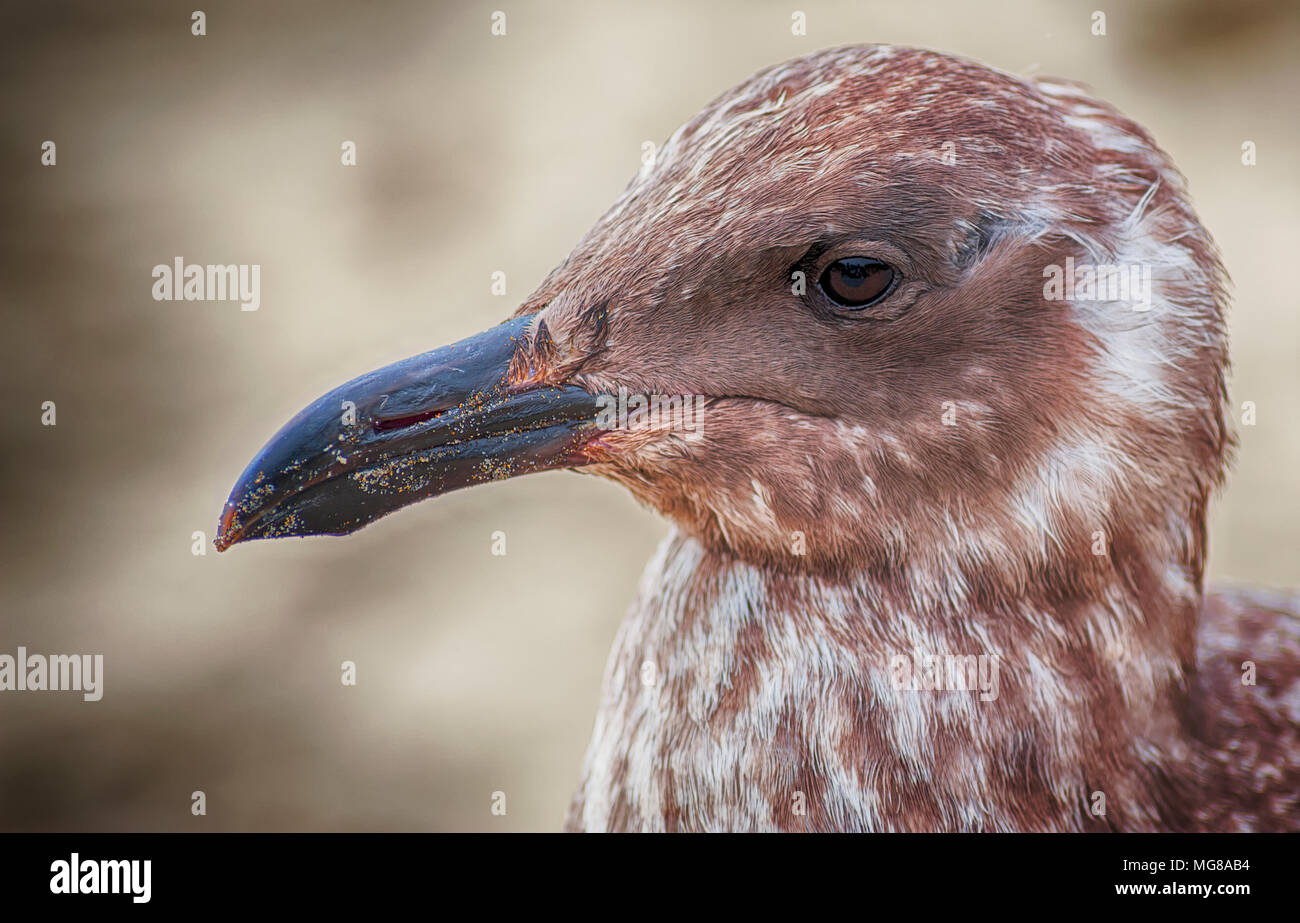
830	520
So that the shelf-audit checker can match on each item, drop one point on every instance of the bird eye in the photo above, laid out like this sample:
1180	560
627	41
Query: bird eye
857	281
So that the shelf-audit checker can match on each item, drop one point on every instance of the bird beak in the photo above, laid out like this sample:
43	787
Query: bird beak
421	427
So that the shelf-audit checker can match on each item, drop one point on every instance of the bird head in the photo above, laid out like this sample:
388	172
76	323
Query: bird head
840	322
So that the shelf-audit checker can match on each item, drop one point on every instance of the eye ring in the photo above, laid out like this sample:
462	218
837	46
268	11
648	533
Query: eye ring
857	282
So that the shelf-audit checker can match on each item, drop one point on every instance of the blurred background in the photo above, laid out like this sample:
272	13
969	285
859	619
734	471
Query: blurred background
475	154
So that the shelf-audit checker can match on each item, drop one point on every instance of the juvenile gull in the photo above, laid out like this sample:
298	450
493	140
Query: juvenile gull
939	536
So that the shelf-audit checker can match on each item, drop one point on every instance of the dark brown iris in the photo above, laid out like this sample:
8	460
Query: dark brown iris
857	281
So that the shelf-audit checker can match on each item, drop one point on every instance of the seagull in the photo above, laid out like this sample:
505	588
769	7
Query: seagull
954	351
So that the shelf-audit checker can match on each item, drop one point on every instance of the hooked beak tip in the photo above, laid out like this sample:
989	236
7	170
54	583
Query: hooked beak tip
443	420
227	534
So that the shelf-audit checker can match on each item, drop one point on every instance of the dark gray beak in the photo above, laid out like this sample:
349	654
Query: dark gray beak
412	430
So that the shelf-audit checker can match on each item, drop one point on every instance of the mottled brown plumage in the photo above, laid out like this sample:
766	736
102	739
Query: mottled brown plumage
1072	421
980	467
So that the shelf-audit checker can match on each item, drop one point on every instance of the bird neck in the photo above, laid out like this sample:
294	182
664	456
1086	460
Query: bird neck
738	697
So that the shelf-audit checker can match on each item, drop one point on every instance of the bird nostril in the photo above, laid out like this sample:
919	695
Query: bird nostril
383	424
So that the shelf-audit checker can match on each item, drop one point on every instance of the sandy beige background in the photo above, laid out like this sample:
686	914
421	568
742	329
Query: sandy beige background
477	673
